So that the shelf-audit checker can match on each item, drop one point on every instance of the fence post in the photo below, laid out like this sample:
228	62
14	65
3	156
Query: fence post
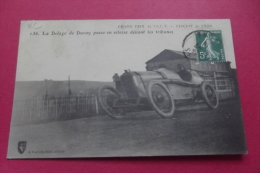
76	105
96	102
56	108
92	100
30	109
215	80
86	104
37	109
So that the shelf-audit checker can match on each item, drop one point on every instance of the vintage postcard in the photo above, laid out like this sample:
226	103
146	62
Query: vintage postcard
119	88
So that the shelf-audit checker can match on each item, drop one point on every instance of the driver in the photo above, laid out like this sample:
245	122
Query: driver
184	74
189	75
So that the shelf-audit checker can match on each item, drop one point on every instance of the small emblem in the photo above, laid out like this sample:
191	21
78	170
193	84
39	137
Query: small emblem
22	146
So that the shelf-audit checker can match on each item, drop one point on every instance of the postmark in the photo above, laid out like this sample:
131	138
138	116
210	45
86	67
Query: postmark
204	45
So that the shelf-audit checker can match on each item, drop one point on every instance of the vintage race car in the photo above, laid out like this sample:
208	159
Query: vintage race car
162	90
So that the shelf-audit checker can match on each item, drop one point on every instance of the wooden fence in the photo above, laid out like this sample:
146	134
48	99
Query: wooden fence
223	82
52	108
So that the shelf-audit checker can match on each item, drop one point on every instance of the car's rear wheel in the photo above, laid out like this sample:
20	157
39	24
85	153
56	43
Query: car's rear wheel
161	99
210	95
107	95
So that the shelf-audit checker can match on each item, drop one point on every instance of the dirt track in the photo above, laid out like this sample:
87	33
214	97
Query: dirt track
138	134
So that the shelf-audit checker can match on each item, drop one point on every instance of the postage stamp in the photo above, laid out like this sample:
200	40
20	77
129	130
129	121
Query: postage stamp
210	46
206	45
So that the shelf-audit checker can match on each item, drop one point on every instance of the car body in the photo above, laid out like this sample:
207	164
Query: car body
161	89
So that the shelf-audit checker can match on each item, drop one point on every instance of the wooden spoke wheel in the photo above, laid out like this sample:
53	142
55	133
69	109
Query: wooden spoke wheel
210	95
107	95
161	99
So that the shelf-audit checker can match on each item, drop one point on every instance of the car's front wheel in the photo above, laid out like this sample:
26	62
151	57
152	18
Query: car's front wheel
107	95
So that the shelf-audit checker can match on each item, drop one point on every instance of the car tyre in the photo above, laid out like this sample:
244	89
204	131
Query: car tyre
210	95
106	98
161	99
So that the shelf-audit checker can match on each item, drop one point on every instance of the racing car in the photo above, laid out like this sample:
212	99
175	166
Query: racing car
161	90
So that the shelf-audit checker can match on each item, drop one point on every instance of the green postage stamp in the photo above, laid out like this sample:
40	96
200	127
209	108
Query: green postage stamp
210	46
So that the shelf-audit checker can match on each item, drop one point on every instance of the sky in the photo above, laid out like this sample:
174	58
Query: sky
98	57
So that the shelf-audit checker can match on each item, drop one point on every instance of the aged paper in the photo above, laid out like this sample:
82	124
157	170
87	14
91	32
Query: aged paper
117	88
